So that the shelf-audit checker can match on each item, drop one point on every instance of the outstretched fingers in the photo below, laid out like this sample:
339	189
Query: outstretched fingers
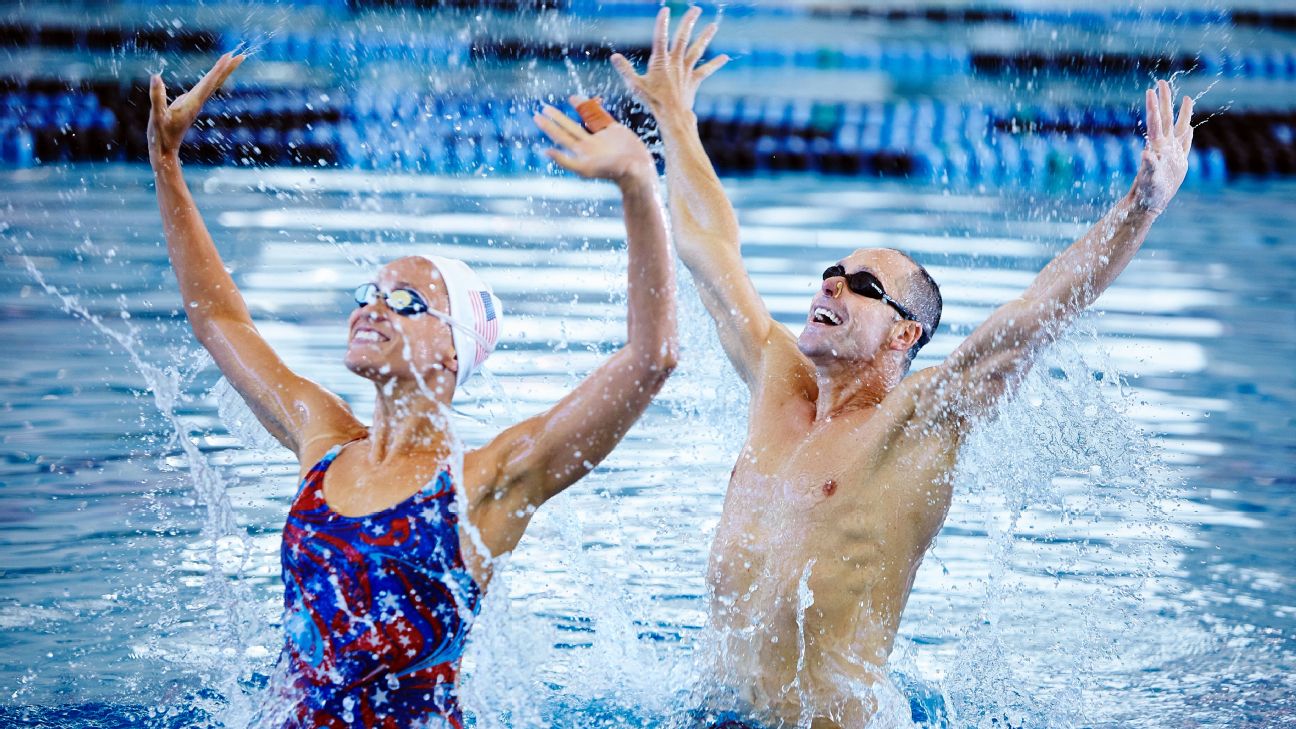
684	32
699	46
555	133
624	67
710	67
569	125
560	129
563	160
215	77
1165	97
1183	127
235	60
1153	121
661	32
157	95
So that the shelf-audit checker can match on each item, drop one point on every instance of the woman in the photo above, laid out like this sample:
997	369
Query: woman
382	575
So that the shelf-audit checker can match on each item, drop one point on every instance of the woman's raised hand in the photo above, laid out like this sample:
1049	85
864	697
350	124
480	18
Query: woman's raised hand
1165	158
168	123
613	153
673	76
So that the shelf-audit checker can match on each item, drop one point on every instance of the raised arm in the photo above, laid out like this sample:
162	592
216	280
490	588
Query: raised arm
538	458
703	223
295	410
994	358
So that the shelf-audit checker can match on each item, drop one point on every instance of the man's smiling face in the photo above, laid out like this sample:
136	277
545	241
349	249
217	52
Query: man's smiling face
842	324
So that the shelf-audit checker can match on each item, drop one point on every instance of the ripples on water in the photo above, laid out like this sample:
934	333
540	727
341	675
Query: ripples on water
1118	553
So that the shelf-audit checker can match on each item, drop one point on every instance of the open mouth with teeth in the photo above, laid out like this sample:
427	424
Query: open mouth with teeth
367	335
821	315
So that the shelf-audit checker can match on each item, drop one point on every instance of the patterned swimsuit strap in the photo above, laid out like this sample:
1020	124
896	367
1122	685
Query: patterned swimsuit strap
316	472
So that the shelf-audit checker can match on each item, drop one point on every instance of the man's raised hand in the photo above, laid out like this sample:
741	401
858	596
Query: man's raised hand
673	76
1165	158
614	153
168	122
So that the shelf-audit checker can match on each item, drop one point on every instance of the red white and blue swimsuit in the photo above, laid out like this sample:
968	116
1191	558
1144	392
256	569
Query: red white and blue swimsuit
376	609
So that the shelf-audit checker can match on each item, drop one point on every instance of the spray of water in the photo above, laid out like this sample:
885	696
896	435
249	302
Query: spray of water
1058	482
227	552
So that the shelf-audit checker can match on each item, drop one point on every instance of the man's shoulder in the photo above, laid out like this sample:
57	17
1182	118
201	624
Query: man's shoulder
921	400
915	388
922	376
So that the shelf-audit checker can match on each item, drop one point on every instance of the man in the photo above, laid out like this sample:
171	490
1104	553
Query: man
845	477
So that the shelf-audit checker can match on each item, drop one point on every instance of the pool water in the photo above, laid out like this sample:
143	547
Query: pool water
1119	553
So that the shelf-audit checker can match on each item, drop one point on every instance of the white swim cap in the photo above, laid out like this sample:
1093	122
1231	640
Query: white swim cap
475	314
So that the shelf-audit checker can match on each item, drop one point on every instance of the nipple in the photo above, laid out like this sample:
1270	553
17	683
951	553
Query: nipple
829	487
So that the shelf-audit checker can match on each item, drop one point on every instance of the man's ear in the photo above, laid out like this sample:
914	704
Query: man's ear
904	335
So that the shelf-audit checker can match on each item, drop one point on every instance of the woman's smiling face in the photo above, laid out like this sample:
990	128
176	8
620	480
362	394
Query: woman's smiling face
383	345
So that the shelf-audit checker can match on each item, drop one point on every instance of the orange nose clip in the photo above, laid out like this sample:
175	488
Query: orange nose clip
837	293
593	115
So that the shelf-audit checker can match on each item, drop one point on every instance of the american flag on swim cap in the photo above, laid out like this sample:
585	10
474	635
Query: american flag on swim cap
484	322
475	315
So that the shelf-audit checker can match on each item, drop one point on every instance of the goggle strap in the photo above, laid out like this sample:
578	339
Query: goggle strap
473	333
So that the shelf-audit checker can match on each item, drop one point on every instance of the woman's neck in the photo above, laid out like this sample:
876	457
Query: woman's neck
411	416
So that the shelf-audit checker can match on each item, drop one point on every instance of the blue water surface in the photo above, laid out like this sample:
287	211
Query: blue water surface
112	614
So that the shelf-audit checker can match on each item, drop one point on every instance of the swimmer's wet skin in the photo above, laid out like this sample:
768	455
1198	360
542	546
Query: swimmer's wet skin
389	544
845	477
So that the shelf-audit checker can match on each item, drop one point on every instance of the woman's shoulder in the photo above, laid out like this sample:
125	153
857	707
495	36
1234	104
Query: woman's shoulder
322	446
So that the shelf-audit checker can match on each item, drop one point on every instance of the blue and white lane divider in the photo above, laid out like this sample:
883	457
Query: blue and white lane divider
322	46
1168	15
895	57
384	129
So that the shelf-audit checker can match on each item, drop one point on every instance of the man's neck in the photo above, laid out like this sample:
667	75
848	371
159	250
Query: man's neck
849	385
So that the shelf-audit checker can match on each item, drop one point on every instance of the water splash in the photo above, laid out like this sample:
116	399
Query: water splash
575	76
239	419
598	667
227	552
805	599
1043	479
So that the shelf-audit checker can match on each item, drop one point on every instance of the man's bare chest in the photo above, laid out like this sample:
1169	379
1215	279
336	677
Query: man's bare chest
810	465
785	498
848	496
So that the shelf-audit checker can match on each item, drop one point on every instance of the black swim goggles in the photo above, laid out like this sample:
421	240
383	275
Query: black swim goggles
866	284
406	302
